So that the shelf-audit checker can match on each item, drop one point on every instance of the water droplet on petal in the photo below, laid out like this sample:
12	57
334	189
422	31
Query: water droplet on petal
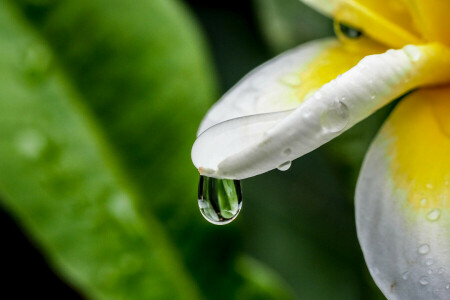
434	215
405	275
413	52
423	201
429	261
423	249
287	151
291	80
219	200
424	280
284	166
336	117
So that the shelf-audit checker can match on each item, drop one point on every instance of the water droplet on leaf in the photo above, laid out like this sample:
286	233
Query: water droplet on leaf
31	143
219	200
336	117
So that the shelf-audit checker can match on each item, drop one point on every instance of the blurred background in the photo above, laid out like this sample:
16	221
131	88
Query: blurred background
99	105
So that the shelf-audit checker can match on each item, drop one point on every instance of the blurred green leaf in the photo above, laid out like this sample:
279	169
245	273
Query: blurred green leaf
59	178
287	23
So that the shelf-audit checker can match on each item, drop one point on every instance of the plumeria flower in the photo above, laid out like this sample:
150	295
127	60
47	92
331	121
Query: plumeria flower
311	94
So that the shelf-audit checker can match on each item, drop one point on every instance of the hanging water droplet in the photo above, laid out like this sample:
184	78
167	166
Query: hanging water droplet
219	200
405	275
424	280
434	215
423	249
284	166
347	31
336	117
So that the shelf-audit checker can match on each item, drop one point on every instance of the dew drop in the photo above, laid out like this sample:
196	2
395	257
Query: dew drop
413	52
31	143
291	80
434	215
405	275
219	200
336	117
423	201
284	166
429	261
36	61
424	280
423	249
287	151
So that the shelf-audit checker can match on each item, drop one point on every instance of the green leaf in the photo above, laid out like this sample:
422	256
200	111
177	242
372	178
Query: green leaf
60	178
287	23
143	71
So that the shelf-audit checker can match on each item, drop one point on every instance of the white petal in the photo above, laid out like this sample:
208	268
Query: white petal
265	89
406	245
338	105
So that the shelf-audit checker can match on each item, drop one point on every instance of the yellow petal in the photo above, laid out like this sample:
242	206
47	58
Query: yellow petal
402	200
421	153
387	21
432	19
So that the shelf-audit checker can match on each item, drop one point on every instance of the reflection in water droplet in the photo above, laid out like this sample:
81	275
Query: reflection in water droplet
424	280
405	275
434	214
219	200
336	117
284	166
31	143
423	249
